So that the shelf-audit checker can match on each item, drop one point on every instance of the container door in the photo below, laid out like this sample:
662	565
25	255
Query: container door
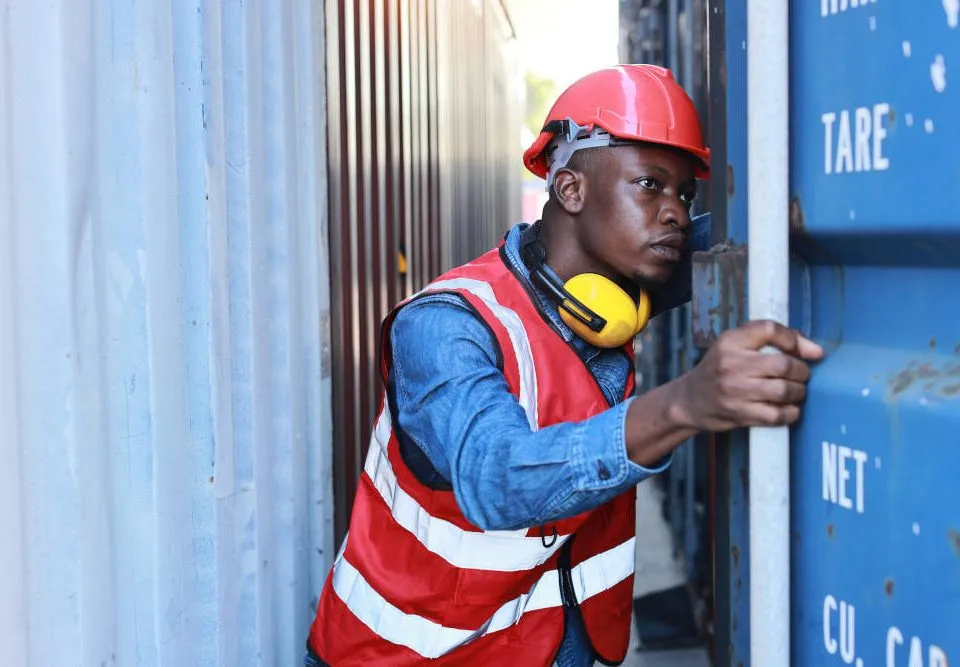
875	103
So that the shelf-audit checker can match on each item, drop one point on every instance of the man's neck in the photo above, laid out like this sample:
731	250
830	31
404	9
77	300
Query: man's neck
567	257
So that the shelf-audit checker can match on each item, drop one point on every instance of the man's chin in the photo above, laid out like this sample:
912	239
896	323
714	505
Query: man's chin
650	280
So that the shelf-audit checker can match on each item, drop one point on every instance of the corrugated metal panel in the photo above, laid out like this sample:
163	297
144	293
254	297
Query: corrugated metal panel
164	392
421	164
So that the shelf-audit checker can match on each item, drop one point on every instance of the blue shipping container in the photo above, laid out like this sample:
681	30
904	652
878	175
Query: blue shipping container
877	519
875	243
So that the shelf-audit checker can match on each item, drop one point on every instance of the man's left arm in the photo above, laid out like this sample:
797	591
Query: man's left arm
454	404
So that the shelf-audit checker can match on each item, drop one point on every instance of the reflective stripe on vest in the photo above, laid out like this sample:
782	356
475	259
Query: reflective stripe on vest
494	550
479	584
432	640
518	338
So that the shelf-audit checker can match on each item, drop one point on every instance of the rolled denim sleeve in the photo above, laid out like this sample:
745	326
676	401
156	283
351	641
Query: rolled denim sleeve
454	403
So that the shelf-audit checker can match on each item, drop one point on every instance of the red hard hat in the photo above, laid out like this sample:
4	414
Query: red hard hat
632	102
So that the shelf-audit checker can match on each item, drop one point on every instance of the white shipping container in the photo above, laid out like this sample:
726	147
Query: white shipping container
165	429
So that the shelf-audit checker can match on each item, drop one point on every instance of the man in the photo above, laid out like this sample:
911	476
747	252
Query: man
494	520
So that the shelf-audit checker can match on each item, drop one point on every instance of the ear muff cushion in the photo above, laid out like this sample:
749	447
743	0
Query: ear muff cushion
643	311
610	302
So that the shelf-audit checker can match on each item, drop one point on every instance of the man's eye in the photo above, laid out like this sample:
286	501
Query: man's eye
648	183
688	197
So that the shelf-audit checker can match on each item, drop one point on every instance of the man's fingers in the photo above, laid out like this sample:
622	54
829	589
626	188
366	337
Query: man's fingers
768	414
808	349
758	334
783	366
780	392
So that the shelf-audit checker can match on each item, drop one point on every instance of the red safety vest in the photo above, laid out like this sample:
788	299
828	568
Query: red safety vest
415	581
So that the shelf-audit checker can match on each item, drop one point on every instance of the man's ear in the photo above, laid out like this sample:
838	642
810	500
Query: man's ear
569	187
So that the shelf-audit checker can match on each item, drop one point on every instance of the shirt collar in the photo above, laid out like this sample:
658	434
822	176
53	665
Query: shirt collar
541	300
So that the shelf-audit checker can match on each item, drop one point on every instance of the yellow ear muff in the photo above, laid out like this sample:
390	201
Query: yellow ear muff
607	299
643	311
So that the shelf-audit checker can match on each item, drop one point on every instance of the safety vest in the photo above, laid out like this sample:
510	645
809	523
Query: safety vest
416	583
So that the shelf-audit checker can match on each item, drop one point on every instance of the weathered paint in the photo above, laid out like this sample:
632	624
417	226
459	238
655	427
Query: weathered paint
674	34
719	277
875	458
165	486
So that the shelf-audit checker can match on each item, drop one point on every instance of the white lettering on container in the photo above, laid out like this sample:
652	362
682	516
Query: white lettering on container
935	656
855	147
836	475
846	644
831	7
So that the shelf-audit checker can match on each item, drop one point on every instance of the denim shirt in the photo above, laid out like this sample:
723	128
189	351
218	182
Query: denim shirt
459	426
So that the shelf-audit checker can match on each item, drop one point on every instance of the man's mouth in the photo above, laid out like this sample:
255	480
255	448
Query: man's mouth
670	248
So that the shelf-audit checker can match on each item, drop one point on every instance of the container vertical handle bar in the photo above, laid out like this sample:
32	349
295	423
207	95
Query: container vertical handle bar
768	274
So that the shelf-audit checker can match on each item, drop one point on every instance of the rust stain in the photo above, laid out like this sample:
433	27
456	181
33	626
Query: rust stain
735	552
830	530
729	180
888	587
954	536
720	276
936	375
933	343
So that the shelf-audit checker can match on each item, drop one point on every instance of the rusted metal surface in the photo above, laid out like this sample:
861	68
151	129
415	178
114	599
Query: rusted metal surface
675	34
720	285
719	290
941	377
424	174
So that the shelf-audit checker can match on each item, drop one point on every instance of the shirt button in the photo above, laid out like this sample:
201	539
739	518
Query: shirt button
602	471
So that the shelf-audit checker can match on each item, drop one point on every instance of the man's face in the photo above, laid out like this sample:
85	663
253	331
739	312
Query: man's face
636	211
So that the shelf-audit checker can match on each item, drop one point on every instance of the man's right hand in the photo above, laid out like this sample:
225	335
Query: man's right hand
736	385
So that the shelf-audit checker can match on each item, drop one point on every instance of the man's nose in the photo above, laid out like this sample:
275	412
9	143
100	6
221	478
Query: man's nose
675	214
